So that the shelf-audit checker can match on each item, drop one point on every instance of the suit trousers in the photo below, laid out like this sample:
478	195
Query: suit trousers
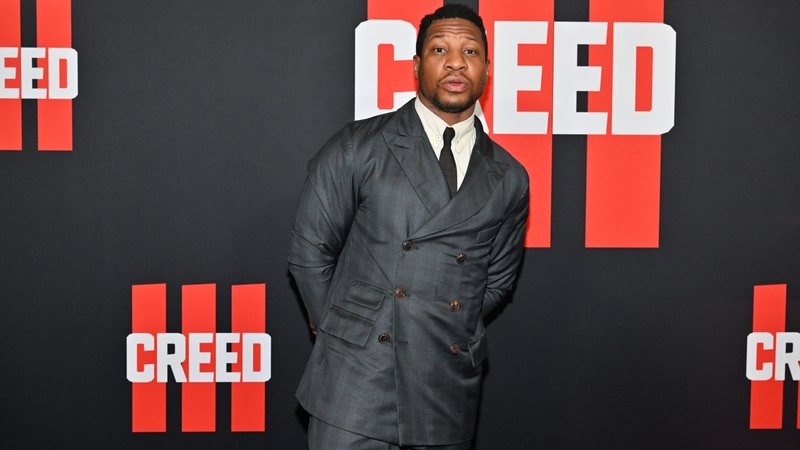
324	436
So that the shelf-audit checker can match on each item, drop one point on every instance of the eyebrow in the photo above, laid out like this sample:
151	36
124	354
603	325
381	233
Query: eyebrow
438	35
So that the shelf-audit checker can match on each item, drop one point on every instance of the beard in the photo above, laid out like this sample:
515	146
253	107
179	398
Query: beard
456	107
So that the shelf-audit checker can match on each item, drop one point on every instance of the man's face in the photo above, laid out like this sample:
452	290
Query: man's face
452	69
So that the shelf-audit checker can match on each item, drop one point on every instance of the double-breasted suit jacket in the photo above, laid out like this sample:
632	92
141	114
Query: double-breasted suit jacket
397	277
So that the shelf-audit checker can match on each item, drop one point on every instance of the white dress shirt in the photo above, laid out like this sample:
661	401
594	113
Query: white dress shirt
462	143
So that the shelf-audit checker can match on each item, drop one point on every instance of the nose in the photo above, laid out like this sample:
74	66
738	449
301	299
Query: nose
455	61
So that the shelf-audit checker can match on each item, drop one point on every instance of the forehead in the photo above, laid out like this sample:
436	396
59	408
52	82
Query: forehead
453	28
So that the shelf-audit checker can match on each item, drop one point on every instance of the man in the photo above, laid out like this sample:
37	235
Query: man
409	231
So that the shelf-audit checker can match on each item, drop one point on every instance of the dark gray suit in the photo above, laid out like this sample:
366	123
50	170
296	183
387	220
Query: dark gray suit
398	277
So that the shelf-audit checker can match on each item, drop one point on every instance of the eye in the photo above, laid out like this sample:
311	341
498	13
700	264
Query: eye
471	51
438	50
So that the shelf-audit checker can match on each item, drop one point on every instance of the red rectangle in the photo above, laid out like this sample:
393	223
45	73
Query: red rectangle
766	397
248	315
396	75
644	78
411	12
535	152
11	108
199	315
623	173
393	76
149	400
54	29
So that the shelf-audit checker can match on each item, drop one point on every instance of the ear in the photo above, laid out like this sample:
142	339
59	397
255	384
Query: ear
417	62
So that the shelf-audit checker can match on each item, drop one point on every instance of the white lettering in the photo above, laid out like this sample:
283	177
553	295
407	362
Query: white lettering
224	357
765	340
785	358
7	73
402	35
165	359
510	78
264	342
661	117
54	58
198	357
29	72
573	78
133	341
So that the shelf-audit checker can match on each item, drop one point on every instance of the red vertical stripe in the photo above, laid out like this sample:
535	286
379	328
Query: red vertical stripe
535	152
396	75
393	76
198	402
11	108
766	397
623	173
411	12
149	315
248	315
54	29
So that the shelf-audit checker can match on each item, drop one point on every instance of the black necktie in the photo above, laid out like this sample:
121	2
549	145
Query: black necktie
446	161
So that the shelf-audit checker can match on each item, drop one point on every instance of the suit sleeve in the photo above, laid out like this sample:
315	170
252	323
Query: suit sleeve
324	216
506	255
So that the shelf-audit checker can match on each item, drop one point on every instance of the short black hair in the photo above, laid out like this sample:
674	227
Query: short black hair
451	11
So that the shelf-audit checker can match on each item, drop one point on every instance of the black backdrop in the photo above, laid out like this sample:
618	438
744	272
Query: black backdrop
192	129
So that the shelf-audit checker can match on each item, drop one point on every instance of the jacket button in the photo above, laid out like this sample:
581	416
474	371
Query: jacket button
408	245
455	305
400	293
383	338
454	349
461	258
313	329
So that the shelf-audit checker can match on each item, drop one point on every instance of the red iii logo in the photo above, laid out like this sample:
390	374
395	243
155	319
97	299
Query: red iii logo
772	352
531	95
198	357
47	73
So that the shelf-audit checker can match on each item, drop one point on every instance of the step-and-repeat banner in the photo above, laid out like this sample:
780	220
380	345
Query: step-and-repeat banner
152	155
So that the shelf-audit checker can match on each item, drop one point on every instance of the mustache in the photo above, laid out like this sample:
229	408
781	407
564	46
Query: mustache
450	78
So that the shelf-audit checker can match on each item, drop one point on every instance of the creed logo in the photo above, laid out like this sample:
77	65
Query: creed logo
198	357
532	93
771	351
47	73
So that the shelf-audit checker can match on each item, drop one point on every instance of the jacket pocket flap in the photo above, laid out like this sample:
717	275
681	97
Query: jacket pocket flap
478	348
347	326
365	295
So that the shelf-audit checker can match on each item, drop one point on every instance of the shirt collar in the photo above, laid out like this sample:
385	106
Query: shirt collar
434	126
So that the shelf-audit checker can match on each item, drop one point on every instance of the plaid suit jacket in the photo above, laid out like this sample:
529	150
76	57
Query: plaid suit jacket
396	277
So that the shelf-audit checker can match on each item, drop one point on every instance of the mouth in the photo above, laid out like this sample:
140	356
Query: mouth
455	84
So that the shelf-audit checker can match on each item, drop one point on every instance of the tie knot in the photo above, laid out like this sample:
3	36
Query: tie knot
449	134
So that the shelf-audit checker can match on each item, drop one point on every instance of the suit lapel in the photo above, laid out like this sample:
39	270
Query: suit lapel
407	141
483	174
410	146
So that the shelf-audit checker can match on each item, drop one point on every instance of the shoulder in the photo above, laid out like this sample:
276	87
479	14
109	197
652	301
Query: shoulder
353	143
515	173
354	133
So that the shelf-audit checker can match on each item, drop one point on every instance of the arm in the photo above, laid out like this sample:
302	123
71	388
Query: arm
506	254
324	216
